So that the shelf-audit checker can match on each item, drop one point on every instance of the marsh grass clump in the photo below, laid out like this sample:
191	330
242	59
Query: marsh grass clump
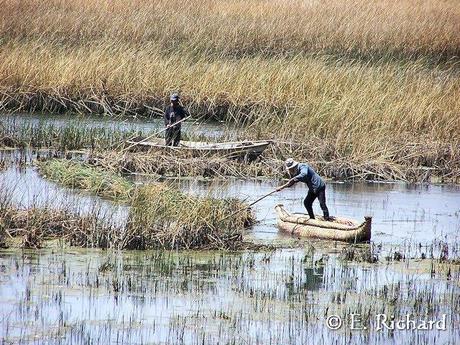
198	228
83	176
160	216
37	225
164	217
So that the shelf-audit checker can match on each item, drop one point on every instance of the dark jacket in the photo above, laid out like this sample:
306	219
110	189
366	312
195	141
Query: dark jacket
172	115
307	175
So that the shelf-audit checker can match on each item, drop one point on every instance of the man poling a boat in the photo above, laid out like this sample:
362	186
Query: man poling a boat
174	113
302	172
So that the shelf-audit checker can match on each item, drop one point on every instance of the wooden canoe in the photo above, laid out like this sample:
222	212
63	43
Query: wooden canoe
340	229
237	149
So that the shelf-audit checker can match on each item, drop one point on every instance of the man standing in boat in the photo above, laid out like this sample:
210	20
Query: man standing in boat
174	113
301	172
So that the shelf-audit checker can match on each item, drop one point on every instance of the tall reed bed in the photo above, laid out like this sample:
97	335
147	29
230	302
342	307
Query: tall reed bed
357	77
239	28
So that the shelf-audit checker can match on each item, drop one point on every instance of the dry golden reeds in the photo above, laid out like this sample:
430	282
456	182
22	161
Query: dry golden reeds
356	76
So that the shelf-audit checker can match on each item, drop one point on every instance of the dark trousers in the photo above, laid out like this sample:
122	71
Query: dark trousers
311	196
172	136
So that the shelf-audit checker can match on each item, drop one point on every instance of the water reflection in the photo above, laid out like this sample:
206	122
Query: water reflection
93	296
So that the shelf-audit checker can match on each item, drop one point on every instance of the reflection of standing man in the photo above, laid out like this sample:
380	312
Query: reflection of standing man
173	113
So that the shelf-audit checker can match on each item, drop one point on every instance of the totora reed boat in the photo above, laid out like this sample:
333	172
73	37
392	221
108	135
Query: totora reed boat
339	229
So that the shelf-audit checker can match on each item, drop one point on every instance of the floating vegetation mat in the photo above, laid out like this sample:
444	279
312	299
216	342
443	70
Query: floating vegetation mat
82	176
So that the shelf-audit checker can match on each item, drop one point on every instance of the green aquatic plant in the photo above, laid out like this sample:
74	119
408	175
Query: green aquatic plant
72	136
83	176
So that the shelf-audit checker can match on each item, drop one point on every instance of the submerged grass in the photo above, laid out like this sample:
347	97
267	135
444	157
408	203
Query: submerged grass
278	297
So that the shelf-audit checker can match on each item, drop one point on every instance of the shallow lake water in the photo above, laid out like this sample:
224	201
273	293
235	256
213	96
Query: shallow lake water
279	296
401	213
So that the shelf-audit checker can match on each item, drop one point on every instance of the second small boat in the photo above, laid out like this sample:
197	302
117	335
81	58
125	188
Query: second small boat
340	229
239	149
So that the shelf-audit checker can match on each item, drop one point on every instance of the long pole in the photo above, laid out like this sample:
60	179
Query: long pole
154	134
252	203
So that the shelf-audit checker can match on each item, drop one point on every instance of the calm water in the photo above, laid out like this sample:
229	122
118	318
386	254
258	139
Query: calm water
400	212
282	297
285	296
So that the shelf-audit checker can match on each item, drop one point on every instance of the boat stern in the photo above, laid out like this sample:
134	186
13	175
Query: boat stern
367	228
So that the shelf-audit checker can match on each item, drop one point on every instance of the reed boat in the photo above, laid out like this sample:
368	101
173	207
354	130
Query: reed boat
236	149
339	229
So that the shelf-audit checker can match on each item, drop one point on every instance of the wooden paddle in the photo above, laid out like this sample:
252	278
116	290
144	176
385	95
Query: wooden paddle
154	134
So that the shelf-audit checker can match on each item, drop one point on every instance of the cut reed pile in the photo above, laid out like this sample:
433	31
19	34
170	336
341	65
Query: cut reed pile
182	164
160	216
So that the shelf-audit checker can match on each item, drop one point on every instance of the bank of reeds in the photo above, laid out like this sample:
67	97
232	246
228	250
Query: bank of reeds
358	77
411	162
160	216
